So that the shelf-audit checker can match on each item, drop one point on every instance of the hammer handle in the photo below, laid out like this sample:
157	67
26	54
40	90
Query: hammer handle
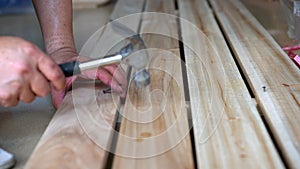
75	67
70	68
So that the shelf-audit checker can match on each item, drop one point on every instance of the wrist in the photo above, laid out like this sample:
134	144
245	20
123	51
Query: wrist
61	48
64	55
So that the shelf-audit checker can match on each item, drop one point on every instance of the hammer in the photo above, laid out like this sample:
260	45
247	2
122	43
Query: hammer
141	76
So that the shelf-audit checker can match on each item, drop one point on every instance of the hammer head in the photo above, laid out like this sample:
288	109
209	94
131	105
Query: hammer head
138	60
141	78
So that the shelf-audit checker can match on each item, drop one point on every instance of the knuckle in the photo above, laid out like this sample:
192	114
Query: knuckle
43	93
17	85
22	68
15	103
57	75
40	88
29	48
5	97
6	104
27	99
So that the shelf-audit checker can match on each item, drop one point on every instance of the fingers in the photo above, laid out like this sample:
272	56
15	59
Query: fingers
26	95
25	72
52	72
113	76
119	77
69	82
108	79
9	96
15	91
40	85
58	95
110	75
19	90
118	74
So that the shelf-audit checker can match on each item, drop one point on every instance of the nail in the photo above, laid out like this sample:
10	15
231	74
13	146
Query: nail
105	91
264	88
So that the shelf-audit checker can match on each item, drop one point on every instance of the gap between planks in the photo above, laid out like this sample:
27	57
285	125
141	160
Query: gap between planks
147	148
230	144
72	138
265	64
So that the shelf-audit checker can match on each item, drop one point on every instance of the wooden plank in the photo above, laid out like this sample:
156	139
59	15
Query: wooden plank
265	65
79	135
154	131
82	4
107	39
228	130
66	142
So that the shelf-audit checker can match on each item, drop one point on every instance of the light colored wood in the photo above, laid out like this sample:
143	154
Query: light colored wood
80	133
67	141
154	131
228	130
107	39
265	64
82	4
128	7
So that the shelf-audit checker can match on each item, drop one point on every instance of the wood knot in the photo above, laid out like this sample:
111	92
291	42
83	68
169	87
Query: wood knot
243	155
142	136
146	134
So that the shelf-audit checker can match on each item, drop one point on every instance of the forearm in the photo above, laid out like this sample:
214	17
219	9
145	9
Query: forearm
55	18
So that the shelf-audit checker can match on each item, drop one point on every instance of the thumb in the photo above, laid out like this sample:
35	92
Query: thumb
58	95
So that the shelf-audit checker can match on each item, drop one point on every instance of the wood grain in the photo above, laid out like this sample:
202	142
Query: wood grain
154	131
82	4
79	135
228	130
66	142
265	65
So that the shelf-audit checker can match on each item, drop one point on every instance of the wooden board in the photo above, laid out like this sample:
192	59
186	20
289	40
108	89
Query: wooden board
82	4
228	130
265	65
66	142
108	40
154	130
80	133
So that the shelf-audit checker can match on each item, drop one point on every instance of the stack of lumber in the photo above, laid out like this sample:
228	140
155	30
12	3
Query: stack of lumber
211	55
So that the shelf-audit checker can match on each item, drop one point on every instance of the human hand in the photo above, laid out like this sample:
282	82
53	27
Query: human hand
113	76
25	72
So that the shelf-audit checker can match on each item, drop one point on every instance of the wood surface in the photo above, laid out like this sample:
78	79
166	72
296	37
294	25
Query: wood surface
67	141
154	133
265	65
80	133
154	130
82	4
228	130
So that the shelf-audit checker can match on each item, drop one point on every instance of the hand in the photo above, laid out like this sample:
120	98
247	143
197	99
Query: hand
25	72
113	76
56	24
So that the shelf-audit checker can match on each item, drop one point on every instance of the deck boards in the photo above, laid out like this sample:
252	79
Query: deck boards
66	142
80	4
154	131
265	64
227	126
80	133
